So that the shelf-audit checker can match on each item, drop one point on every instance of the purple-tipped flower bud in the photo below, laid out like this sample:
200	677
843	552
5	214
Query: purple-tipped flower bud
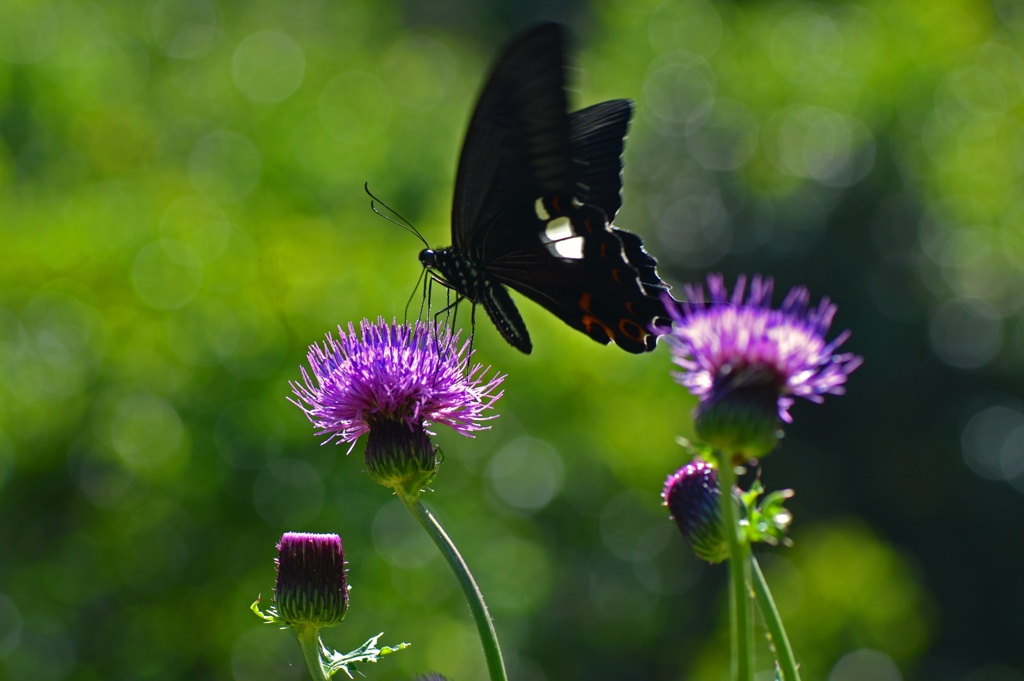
691	493
311	589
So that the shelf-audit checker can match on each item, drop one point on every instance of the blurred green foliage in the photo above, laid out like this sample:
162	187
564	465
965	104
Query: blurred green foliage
182	214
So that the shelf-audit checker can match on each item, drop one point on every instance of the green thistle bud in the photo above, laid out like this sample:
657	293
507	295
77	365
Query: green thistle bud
401	456
741	416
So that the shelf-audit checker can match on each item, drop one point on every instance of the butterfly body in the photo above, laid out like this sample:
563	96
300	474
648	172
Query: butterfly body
464	276
536	192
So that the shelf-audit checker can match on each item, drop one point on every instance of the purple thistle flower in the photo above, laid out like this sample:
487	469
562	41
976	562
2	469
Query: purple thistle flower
692	495
746	355
395	372
311	588
393	381
727	341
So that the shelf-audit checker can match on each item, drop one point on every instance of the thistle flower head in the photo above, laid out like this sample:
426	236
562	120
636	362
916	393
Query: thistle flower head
692	494
394	381
311	588
747	362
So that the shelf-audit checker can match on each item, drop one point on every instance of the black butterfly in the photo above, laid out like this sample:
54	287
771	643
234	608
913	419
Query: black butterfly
536	192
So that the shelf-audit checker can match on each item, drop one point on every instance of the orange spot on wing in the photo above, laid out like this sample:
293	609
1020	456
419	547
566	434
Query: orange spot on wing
590	321
631	329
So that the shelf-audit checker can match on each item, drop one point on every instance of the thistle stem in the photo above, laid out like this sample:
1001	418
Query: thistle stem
776	632
741	621
484	625
309	639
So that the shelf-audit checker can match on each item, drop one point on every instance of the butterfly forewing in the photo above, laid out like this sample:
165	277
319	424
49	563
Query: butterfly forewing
517	145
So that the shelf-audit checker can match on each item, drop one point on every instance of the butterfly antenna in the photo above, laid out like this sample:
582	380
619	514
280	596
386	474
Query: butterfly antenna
401	221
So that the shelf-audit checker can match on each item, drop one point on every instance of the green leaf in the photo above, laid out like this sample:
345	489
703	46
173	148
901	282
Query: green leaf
270	616
767	518
368	652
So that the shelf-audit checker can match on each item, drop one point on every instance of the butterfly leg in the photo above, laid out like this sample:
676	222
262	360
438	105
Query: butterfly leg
423	298
472	331
451	308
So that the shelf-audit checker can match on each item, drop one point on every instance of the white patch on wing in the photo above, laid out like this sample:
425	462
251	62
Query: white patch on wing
561	239
568	248
542	212
558	229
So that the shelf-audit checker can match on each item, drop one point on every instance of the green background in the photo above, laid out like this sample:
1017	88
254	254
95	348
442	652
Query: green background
182	214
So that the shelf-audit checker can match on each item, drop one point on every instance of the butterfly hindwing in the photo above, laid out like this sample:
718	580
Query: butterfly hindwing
582	276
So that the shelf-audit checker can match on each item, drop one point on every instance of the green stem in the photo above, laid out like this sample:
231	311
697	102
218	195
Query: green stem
309	639
741	619
777	632
484	625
